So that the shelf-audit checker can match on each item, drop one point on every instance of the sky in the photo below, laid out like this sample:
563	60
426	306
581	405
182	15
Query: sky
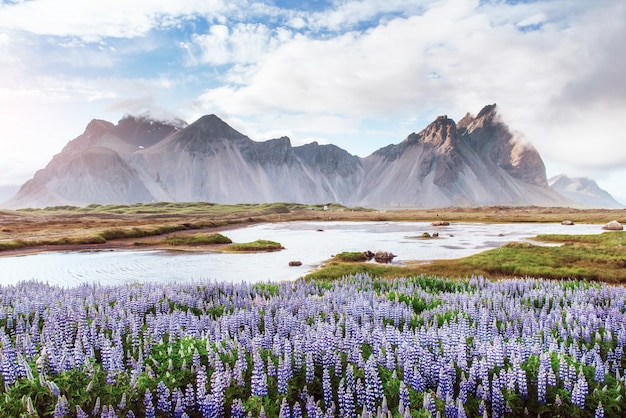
360	74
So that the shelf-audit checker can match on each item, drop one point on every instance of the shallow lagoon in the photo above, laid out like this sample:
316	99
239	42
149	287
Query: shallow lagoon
303	241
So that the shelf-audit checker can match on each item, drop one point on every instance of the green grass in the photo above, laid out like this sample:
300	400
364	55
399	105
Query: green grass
592	257
196	239
600	257
258	245
335	270
351	257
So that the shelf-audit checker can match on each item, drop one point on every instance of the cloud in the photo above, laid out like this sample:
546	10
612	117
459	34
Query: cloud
244	43
96	19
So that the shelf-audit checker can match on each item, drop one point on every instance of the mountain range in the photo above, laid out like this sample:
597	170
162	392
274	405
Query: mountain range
478	161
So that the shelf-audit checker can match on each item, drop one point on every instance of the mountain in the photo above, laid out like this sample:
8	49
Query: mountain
475	162
584	191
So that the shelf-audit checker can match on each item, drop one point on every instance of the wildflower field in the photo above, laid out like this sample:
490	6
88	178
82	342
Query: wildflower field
359	346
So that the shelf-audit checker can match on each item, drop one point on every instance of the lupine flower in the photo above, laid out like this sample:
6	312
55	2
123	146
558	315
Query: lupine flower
497	400
62	408
296	412
579	392
147	403
599	411
237	409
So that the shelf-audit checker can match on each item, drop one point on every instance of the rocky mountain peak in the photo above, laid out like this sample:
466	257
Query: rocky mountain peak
583	190
143	131
97	127
211	126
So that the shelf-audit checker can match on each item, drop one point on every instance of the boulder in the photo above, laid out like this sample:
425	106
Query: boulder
613	226
567	222
383	256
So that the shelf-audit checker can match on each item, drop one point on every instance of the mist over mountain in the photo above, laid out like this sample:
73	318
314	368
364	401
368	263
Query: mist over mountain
584	191
8	191
476	162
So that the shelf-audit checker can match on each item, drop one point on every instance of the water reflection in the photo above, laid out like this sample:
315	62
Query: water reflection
311	243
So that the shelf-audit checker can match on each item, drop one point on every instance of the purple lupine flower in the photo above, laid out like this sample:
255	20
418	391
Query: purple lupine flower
282	379
579	392
460	409
237	409
217	394
296	411
497	399
600	370
80	413
429	403
327	388
311	409
190	398
541	385
62	407
417	382
179	406
258	381
201	393
310	368
599	411
96	408
163	398
147	403
404	396
520	377
450	410
285	410
122	403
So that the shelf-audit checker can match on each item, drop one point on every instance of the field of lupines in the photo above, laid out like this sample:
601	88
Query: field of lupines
416	347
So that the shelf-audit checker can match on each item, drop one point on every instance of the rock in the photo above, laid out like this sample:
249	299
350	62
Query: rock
567	222
435	234
295	263
440	223
383	256
613	226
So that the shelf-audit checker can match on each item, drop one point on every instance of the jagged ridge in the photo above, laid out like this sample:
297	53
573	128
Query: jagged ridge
476	162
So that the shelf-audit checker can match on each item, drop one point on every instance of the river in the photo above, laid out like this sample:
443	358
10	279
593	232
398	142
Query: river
312	243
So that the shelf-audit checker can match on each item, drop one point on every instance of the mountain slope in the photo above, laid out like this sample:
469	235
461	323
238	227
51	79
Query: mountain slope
476	162
584	191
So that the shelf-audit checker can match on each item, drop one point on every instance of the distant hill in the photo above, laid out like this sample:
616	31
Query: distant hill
584	191
476	162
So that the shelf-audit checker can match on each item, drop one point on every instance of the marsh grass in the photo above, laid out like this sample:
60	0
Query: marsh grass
599	257
350	257
196	239
258	245
591	257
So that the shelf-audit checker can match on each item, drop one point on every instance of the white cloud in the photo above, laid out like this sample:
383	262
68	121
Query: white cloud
96	19
244	43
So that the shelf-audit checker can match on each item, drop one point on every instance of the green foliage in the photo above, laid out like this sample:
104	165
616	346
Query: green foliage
196	239
350	257
589	257
258	245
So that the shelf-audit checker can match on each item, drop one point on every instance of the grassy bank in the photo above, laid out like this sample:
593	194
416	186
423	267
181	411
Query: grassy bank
258	245
599	257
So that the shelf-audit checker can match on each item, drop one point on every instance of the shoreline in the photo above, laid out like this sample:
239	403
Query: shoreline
142	228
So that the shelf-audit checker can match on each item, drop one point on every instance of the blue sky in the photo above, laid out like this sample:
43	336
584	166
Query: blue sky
359	74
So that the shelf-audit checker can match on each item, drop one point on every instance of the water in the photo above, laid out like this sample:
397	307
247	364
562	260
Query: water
302	241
